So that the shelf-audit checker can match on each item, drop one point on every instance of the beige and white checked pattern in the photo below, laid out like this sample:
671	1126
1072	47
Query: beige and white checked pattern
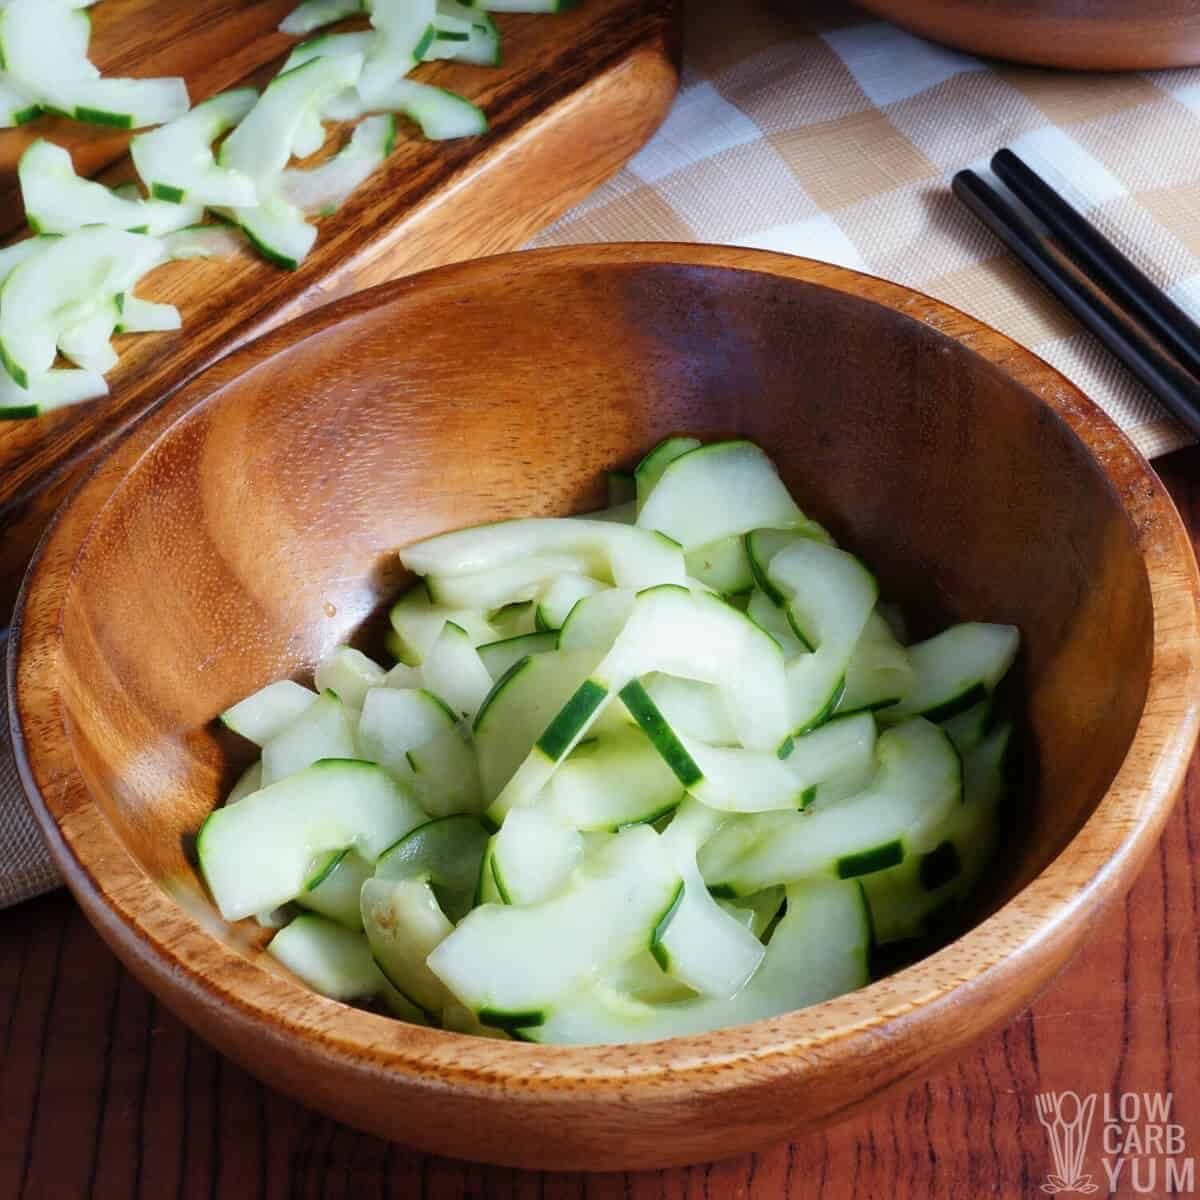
810	128
815	129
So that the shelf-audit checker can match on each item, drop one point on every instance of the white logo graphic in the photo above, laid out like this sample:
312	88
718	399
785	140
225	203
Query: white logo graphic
1068	1122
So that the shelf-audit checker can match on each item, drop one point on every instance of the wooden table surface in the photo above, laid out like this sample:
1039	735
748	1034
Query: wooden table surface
103	1093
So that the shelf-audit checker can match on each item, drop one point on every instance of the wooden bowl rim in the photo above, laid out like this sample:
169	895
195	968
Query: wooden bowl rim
173	951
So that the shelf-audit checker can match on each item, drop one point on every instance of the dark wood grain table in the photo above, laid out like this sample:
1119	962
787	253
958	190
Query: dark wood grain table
103	1093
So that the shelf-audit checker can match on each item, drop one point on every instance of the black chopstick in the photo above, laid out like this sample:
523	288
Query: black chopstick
1124	281
1129	340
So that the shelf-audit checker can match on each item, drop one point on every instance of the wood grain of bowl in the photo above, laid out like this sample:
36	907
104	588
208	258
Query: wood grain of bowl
250	524
1096	35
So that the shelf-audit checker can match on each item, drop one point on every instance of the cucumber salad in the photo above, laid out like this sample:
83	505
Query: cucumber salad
663	768
67	288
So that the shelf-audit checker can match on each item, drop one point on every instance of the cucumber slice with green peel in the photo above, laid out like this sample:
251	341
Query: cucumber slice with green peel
723	566
879	673
328	957
557	600
176	161
498	657
250	780
448	851
830	596
309	136
322	189
918	784
334	889
401	675
763	544
517	711
127	103
967	728
487	891
509	965
257	855
331	45
621	487
819	950
534	855
454	672
438	113
622	555
17	106
87	342
395	721
514	620
480	46
649	471
42	295
765	613
417	621
695	710
756	912
322	730
12	256
593	624
349	673
641	978
445	775
615	781
691	502
855	772
147	316
269	711
204	241
404	923
956	669
510	583
263	142
312	14
405	29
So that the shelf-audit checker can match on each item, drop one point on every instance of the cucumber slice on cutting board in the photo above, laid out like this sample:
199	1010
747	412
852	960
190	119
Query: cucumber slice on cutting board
176	161
257	854
45	393
312	14
321	190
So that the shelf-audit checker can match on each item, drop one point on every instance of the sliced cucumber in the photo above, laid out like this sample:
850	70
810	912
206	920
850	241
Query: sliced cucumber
918	784
879	673
204	241
312	14
509	583
438	113
406	28
326	956
723	566
87	342
514	620
557	600
618	554
417	621
517	711
830	595
45	393
322	189
445	775
534	855
454	672
250	780
146	316
691	502
593	624
498	657
649	471
47	293
17	105
510	965
396	721
967	728
756	912
448	851
269	711
695	710
763	611
819	950
256	855
333	890
480	45
404	923
763	544
956	669
618	779
322	730
349	673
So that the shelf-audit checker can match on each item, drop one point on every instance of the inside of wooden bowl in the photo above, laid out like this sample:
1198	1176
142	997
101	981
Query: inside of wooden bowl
261	529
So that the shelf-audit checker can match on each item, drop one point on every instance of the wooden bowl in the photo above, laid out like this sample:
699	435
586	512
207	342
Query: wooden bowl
1097	35
250	524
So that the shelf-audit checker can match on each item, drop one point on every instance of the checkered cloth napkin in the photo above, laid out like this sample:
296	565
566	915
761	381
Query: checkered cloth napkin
810	128
815	129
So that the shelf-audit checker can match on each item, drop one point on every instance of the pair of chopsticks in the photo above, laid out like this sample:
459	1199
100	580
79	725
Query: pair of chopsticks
1136	320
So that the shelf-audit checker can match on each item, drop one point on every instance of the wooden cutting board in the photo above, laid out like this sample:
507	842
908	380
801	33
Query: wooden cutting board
576	95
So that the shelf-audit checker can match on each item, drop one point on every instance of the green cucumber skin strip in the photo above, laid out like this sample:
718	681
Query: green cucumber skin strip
647	714
657	949
558	735
325	870
867	862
